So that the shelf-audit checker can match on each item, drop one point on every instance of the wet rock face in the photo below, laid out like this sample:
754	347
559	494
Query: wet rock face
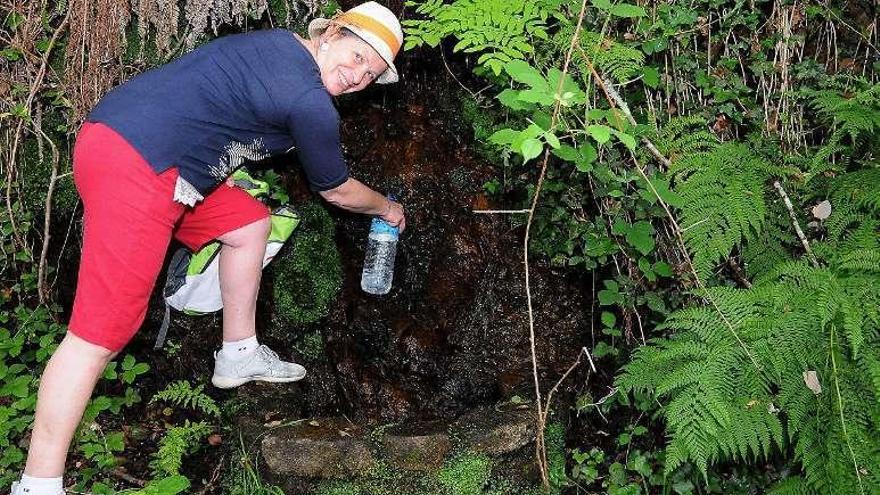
453	332
323	448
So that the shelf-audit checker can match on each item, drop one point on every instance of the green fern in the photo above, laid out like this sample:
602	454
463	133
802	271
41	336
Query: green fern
178	442
801	318
498	30
723	200
613	60
854	120
181	393
683	136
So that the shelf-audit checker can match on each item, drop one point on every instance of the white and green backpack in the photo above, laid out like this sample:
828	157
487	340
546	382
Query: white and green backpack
193	279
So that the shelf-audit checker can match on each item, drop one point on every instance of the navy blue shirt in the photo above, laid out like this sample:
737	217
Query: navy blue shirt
238	98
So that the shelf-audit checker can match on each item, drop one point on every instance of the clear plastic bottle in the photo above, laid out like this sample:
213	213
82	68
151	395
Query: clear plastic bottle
379	259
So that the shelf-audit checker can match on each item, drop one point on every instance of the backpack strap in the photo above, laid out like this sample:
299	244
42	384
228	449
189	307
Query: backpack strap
175	278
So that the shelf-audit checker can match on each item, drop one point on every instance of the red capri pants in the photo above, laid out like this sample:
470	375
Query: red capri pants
130	217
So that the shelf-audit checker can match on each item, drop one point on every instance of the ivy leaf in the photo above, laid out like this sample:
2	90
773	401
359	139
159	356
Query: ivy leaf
601	133
628	10
640	236
531	148
522	72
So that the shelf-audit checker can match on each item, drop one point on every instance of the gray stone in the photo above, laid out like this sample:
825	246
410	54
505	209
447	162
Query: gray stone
492	431
323	448
417	447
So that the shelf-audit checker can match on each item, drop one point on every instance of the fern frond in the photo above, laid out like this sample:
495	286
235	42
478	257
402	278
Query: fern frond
683	136
178	442
723	201
181	393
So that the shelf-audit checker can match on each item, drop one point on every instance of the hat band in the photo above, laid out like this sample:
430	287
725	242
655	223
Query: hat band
372	25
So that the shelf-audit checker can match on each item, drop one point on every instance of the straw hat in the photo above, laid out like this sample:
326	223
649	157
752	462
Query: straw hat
376	25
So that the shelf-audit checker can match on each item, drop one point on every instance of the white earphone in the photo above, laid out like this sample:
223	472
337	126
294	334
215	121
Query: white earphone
324	46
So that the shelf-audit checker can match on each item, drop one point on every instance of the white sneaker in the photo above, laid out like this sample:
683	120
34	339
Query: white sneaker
18	490
263	365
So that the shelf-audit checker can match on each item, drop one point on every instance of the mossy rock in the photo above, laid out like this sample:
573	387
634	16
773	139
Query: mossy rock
308	273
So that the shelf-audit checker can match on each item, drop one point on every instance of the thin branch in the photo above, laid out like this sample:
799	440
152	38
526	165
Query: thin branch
795	223
494	212
42	290
621	104
540	450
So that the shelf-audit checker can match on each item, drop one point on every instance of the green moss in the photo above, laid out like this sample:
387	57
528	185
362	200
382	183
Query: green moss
35	172
311	346
554	440
308	275
339	488
466	474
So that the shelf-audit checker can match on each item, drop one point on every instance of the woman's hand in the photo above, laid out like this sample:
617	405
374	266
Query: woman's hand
394	215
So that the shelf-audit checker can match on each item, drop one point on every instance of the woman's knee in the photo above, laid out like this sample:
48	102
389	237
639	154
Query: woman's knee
254	233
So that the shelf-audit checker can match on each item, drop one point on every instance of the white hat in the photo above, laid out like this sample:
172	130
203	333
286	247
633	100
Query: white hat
376	25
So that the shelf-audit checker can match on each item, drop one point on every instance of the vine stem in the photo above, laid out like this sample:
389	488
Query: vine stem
840	409
42	290
795	223
34	89
540	448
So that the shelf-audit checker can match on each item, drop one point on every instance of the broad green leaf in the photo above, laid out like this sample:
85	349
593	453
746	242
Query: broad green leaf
667	194
510	99
602	4
651	77
641	237
535	96
524	73
608	319
503	137
567	153
551	139
626	139
662	268
627	10
601	133
531	148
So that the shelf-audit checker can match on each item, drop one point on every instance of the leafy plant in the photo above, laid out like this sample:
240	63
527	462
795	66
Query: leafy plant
813	332
178	442
499	30
182	394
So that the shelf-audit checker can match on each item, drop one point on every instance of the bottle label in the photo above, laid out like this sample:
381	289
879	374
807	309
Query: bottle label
379	226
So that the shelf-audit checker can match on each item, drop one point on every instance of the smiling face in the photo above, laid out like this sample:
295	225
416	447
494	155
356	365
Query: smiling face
348	64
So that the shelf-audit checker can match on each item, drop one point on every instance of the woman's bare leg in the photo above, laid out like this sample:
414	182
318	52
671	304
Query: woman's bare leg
65	390
241	266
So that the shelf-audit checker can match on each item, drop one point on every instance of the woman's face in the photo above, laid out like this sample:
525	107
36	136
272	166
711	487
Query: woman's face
349	64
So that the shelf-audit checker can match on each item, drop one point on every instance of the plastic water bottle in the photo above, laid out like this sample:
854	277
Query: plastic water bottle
379	260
